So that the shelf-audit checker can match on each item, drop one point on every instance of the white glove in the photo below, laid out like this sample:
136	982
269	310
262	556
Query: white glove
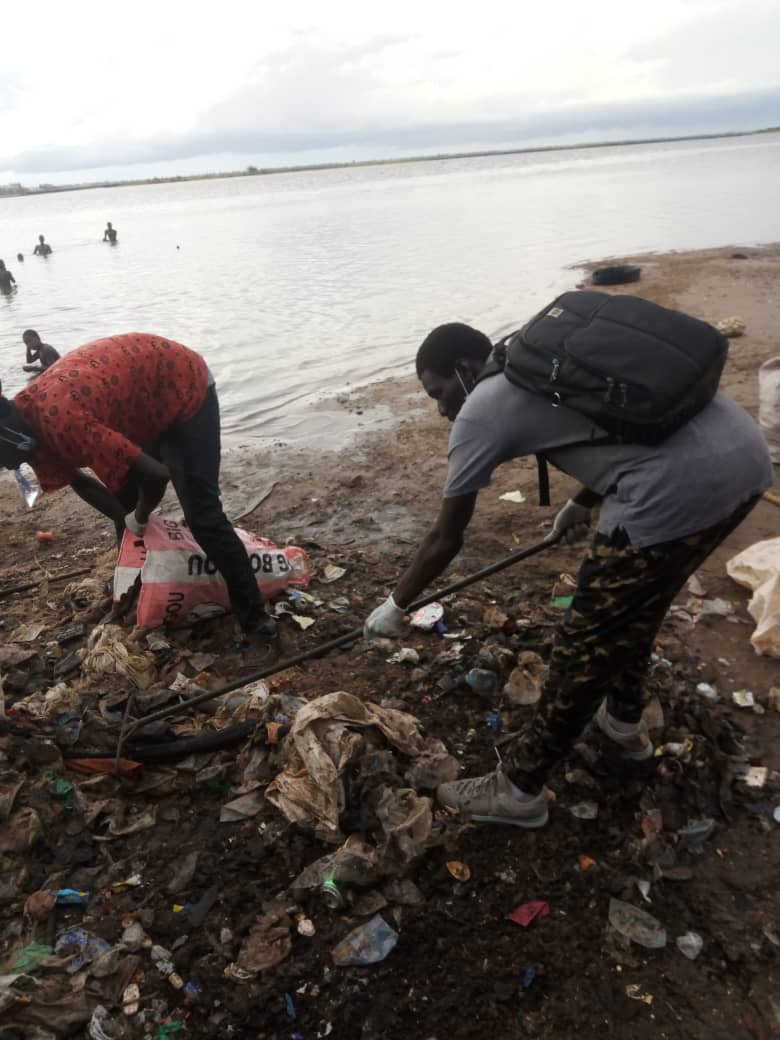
570	524
134	526
386	620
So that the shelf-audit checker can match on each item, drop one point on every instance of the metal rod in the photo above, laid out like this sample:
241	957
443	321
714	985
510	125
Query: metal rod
333	644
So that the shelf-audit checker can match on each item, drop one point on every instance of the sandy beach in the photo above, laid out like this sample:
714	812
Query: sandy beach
364	508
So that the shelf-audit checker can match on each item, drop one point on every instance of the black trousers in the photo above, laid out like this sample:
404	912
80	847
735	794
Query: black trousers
191	450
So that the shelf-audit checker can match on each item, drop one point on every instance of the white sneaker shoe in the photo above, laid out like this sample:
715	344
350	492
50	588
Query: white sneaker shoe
635	744
489	799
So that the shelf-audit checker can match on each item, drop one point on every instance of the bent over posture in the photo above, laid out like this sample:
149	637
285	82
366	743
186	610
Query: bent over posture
664	508
138	410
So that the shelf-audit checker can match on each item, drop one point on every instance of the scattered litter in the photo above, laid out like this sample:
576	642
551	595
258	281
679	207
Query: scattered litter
525	682
44	536
406	655
714	608
731	327
100	1018
754	776
40	904
695	587
695	833
427	617
675	749
635	992
29	959
367	944
495	723
483	682
302	621
289	1005
585	862
690	944
494	618
636	924
131	1000
460	871
243	808
743	698
28	633
512	496
585	810
306	927
528	912
266	945
708	692
81	947
528	976
71	897
330	573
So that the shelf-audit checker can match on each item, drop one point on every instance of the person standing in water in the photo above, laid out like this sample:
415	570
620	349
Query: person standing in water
43	248
109	235
7	280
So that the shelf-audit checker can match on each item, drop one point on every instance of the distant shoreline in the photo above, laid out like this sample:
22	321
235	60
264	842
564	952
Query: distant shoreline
254	171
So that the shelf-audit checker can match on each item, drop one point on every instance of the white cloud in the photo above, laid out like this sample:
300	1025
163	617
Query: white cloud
87	84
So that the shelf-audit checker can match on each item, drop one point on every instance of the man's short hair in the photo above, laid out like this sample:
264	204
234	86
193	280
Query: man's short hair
447	344
30	332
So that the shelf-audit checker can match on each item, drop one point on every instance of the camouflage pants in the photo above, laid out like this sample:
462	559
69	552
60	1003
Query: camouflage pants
603	645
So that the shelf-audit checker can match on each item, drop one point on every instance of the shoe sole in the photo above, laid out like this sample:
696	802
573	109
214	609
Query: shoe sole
530	824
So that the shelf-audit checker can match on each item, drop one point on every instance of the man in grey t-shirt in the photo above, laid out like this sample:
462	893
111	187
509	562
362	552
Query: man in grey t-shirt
664	509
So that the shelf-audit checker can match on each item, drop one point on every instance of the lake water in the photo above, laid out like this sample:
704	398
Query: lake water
295	285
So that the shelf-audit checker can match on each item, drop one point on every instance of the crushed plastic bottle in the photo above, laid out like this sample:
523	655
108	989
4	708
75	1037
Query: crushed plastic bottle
693	835
636	924
368	944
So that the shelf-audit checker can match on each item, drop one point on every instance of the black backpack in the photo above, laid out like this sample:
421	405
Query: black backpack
638	370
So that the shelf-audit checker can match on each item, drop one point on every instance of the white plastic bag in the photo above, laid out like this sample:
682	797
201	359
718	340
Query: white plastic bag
769	406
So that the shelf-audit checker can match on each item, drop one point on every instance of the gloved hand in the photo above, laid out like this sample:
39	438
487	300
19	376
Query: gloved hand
386	620
134	526
571	523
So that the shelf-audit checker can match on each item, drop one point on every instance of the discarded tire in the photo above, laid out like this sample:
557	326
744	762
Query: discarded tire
616	275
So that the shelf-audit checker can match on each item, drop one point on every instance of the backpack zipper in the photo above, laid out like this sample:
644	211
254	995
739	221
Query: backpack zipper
555	369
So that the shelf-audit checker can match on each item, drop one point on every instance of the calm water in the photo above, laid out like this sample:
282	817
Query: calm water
295	285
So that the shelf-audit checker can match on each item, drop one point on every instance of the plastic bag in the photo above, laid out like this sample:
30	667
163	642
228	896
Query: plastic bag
178	580
769	406
29	488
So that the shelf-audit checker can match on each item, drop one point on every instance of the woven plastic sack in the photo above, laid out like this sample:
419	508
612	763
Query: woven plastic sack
769	406
179	581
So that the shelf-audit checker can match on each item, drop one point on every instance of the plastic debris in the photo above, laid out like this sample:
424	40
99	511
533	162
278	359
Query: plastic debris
708	692
406	655
635	992
72	897
427	617
368	944
100	1019
81	946
495	618
512	496
636	924
127	767
28	960
460	871
40	904
695	587
166	1029
44	536
306	927
289	1005
731	327
266	945
675	749
330	572
693	835
743	698
528	912
585	862
689	944
528	976
243	808
483	682
525	682
754	776
495	722
585	810
131	999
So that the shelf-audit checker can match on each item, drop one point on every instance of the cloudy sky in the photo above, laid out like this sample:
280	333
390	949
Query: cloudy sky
92	90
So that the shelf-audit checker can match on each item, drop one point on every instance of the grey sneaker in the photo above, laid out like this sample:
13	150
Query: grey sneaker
635	745
489	799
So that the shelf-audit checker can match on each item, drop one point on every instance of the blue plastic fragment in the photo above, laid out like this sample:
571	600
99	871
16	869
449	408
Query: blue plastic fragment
495	722
528	976
367	944
72	897
290	1005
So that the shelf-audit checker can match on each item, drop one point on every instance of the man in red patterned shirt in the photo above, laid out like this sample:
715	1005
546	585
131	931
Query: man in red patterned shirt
138	410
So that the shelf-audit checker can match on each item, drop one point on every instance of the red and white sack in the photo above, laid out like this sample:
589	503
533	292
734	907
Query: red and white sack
769	406
179	581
